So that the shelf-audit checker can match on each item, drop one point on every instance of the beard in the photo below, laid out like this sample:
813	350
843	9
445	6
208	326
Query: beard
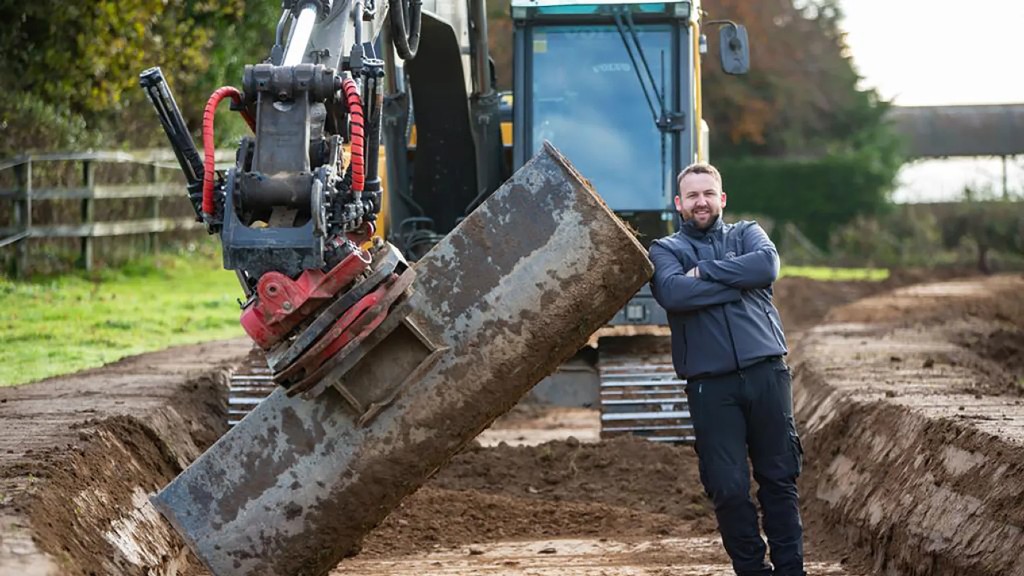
703	220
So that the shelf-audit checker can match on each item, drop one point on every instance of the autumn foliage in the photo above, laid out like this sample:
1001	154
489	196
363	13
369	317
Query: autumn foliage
801	97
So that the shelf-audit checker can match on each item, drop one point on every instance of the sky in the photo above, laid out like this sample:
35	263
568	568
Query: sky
935	52
942	52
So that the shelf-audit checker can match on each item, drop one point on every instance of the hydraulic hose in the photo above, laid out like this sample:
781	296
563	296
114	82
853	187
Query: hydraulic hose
373	101
357	164
208	141
406	17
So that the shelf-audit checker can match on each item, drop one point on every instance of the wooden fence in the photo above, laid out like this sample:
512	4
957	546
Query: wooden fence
27	192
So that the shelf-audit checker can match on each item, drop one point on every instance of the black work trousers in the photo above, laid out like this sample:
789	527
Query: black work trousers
750	412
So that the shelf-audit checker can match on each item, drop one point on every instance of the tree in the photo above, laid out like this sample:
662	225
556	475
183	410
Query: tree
824	148
988	225
801	97
78	63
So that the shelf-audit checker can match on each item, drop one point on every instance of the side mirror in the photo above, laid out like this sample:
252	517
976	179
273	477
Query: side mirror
734	49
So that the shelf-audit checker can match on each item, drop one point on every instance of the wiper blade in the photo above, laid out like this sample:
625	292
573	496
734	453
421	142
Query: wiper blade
664	120
640	78
643	58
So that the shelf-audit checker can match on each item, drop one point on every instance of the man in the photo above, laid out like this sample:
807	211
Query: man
715	281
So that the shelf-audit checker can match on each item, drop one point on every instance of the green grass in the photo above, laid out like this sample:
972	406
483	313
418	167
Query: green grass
828	274
59	325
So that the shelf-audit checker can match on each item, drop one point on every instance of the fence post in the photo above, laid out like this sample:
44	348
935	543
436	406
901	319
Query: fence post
153	204
88	212
23	216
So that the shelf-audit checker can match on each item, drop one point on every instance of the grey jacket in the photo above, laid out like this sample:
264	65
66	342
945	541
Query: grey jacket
725	320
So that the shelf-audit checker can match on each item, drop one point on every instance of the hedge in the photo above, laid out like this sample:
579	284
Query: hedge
817	195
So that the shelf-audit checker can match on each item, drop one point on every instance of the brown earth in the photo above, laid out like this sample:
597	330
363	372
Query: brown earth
915	428
79	454
894	396
620	488
803	302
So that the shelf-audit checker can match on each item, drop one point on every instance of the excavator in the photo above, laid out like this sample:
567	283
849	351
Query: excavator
617	85
400	310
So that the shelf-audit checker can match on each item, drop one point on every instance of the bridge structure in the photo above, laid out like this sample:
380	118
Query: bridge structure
962	131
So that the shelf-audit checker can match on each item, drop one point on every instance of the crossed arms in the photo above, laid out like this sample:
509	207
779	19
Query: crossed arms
713	282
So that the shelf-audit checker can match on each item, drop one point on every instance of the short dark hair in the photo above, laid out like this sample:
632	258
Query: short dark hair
698	168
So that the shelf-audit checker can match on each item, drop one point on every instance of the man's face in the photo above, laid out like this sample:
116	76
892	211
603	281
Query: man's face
700	199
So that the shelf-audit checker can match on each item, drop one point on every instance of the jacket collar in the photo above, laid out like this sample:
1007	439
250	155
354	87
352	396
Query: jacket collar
691	230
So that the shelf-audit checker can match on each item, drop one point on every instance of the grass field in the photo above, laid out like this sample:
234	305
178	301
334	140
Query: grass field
61	325
831	274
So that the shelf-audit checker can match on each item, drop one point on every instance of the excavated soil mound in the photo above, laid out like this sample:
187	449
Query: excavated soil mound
999	350
437	518
626	472
803	302
95	498
980	321
618	488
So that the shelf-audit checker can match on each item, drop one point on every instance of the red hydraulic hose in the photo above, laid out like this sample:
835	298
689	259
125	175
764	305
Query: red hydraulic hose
208	163
355	111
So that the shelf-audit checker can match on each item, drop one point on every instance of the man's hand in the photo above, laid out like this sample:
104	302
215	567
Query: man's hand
693	272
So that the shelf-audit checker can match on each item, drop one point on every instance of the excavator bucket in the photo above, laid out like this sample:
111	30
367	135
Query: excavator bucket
498	304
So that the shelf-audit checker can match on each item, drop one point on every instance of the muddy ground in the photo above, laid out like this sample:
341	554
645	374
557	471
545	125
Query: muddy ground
78	454
910	404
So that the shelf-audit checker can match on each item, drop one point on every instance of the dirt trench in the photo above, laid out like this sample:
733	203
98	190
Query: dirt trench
79	456
912	405
908	402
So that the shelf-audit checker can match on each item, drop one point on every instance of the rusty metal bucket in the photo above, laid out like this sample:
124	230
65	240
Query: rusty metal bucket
512	292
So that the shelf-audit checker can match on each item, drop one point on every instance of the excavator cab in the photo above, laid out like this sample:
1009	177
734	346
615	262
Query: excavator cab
613	86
